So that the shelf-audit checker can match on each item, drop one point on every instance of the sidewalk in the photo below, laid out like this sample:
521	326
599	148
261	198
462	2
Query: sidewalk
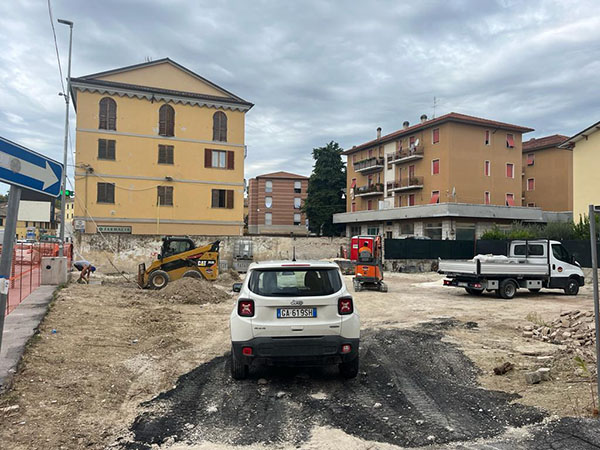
19	326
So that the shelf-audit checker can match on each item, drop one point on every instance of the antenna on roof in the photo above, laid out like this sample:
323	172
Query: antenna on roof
435	102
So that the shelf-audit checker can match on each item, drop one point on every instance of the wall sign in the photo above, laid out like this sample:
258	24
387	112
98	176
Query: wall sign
114	229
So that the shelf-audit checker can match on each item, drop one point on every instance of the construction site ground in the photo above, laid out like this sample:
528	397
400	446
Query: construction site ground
116	366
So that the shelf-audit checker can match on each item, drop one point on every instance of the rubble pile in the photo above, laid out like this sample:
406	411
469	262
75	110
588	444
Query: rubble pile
576	328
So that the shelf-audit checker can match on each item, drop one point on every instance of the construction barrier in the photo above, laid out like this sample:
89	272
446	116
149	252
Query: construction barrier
26	274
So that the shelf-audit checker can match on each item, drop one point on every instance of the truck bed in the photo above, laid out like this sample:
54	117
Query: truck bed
470	267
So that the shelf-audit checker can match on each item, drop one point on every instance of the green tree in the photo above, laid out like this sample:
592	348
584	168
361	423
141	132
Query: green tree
325	190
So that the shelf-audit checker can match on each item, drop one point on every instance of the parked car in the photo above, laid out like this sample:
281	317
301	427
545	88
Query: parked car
294	313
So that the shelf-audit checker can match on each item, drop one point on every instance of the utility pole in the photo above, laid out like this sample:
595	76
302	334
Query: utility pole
10	230
594	243
63	196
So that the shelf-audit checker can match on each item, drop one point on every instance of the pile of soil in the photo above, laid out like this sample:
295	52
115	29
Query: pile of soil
228	278
192	291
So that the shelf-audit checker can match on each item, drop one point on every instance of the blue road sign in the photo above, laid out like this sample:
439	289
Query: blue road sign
28	169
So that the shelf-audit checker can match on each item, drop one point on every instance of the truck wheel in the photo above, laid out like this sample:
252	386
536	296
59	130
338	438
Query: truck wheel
349	369
508	289
158	279
572	287
239	370
192	274
383	287
534	290
474	291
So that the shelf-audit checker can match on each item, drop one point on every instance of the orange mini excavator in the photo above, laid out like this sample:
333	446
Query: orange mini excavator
368	269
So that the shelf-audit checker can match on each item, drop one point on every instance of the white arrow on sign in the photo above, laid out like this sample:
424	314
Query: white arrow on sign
44	174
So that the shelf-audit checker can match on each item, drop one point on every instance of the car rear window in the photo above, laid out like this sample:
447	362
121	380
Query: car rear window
294	282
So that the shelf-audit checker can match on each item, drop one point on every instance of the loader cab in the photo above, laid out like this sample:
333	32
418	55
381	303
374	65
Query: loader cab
175	245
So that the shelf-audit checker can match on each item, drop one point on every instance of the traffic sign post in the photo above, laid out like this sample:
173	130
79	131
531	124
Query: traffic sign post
21	168
593	211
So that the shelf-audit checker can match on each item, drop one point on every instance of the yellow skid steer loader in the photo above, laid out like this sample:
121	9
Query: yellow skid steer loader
179	257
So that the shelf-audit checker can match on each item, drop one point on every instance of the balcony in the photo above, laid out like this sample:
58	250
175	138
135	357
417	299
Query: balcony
404	156
369	165
366	191
407	184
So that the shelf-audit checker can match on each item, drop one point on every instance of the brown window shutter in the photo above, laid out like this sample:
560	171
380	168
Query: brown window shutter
170	121
207	157
230	160
215	198
230	199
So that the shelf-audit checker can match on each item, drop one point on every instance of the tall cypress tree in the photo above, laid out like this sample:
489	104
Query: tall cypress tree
325	190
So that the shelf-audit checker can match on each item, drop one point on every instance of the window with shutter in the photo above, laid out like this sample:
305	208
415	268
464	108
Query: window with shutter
297	187
510	170
435	197
510	141
435	166
229	204
219	126
487	137
166	121
165	195
297	219
165	154
530	159
411	200
486	197
106	193
436	135
531	184
486	168
230	160
222	198
106	149
510	200
107	114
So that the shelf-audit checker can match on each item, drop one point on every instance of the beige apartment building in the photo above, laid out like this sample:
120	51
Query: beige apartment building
275	202
547	174
451	177
160	150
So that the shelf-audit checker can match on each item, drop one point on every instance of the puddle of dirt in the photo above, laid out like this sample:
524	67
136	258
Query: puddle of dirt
414	389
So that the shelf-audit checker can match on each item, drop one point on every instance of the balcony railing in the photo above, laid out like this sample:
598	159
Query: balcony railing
406	184
373	189
409	154
368	165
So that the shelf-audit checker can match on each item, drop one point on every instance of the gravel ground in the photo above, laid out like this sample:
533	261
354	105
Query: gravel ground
117	366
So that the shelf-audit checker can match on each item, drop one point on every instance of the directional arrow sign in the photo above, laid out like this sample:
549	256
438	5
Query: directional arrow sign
28	169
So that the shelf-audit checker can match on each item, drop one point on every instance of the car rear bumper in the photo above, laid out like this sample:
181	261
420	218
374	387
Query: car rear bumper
297	351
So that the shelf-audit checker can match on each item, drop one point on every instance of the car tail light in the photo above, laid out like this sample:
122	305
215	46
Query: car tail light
247	351
246	307
476	285
346	348
345	306
447	282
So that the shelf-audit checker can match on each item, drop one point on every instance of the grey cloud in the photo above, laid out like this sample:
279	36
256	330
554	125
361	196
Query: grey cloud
319	70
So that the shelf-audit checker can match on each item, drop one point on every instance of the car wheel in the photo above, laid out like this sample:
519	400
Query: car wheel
239	370
158	279
534	290
474	291
349	369
192	274
572	287
383	287
508	289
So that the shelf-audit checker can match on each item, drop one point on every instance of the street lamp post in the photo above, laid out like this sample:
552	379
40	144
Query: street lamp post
63	197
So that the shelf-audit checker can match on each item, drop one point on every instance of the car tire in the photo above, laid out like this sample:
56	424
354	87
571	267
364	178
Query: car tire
534	290
349	369
572	287
239	370
472	291
158	279
192	274
508	289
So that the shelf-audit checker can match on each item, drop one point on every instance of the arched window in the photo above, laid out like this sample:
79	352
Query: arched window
108	114
166	121
219	126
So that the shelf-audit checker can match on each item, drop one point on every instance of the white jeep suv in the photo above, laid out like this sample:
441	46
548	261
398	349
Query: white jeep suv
294	313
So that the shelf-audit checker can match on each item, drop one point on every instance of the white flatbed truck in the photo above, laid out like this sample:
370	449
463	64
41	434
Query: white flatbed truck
530	264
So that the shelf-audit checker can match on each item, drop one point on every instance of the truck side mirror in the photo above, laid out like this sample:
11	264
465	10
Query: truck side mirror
237	287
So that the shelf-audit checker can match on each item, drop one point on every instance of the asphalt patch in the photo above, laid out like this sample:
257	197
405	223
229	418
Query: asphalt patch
413	390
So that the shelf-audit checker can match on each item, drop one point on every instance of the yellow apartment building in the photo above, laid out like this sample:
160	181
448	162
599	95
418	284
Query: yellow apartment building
547	174
450	177
586	163
160	150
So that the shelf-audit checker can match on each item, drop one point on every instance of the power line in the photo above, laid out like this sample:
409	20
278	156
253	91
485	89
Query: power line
56	47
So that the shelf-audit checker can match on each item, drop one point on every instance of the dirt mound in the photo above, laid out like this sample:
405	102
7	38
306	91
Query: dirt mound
228	278
192	291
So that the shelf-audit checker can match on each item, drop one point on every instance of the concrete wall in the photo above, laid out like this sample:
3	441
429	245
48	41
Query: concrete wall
127	251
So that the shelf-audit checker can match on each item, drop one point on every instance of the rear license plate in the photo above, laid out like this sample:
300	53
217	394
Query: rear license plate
294	313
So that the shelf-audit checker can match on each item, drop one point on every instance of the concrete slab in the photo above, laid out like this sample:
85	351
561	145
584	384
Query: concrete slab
19	326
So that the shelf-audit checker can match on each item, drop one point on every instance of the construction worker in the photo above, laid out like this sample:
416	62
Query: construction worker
85	267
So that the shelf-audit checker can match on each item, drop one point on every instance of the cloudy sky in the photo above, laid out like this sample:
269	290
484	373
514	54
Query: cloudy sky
317	70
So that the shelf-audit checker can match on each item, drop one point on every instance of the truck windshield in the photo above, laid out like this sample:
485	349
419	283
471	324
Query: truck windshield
295	282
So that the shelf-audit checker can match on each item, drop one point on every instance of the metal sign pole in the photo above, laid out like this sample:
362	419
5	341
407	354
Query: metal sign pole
10	230
592	216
